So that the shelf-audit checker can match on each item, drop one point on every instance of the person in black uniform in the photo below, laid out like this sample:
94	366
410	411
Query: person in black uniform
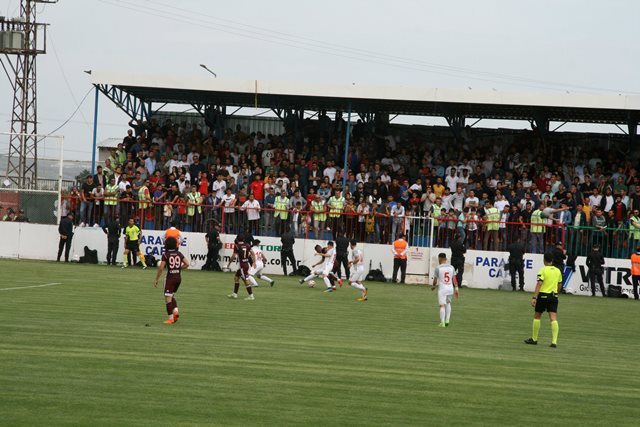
65	229
214	244
342	254
113	230
559	255
286	253
458	250
595	262
516	263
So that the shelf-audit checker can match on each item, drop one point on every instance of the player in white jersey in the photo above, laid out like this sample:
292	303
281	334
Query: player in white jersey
257	265
328	255
357	271
445	277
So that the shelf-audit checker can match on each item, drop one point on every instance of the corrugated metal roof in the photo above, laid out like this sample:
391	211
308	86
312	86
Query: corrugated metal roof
556	106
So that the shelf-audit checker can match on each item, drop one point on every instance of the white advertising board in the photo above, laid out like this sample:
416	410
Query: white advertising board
482	269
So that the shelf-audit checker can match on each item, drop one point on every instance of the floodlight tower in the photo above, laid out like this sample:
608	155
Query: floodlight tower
22	39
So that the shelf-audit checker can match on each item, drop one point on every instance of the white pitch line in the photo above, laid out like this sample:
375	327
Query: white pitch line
27	287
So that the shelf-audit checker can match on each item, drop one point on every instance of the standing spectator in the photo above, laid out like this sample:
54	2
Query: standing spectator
65	229
257	188
400	250
112	229
230	217
97	194
252	209
86	201
397	220
268	213
595	263
286	252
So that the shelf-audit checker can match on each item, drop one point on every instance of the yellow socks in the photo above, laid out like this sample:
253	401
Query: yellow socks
536	329
554	331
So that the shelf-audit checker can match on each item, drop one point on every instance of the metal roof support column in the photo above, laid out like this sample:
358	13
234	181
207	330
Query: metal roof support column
541	124
346	149
632	124
456	123
95	132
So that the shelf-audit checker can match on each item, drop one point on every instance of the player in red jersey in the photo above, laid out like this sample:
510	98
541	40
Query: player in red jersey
175	262
241	252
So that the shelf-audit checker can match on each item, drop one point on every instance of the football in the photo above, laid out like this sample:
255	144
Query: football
312	283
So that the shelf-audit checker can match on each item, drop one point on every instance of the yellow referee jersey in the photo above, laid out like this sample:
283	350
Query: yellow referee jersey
550	276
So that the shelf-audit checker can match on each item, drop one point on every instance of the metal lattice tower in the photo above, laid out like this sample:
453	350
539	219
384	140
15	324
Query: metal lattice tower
24	39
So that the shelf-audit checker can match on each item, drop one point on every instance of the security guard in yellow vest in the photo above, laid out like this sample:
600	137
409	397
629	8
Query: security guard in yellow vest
144	196
194	208
319	209
336	207
537	231
492	218
634	230
436	212
281	213
111	198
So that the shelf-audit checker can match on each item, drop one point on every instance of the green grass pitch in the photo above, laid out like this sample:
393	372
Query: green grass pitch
79	353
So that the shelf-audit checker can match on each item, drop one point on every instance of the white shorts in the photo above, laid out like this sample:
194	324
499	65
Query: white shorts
444	296
326	270
357	273
257	270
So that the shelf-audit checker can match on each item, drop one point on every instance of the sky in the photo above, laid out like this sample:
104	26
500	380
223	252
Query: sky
567	45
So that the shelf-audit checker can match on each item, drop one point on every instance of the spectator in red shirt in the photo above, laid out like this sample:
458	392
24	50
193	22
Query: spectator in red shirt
257	188
204	185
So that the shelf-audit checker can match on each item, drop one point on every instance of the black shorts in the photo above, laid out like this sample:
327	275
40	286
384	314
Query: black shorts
133	245
547	302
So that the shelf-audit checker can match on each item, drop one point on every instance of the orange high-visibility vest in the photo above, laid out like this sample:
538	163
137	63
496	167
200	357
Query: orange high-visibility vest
635	265
399	247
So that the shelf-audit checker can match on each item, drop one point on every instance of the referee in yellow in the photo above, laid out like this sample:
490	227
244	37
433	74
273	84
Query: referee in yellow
545	298
132	235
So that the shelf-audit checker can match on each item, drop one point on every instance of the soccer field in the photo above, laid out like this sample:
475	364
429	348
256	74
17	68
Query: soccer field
77	352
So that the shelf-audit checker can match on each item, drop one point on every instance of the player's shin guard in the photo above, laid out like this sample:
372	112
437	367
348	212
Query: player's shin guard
536	329
309	277
249	289
252	281
236	287
555	328
442	314
141	258
124	260
447	314
169	307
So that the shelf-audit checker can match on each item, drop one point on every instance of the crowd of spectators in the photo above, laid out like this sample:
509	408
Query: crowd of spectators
487	189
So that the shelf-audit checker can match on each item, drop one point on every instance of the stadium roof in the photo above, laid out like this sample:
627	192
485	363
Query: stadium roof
472	103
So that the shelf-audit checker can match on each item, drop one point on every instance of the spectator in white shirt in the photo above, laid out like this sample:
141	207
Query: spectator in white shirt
219	187
330	171
451	180
252	209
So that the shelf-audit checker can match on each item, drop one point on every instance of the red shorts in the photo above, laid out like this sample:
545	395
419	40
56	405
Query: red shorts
243	271
171	285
